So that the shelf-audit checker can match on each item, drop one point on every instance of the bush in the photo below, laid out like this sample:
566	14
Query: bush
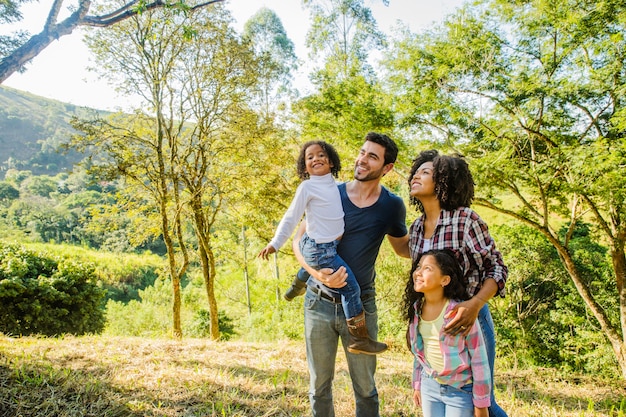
47	296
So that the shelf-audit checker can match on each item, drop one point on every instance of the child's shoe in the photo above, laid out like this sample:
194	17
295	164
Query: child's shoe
297	288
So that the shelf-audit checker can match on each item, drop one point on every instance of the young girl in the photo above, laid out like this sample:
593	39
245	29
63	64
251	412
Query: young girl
318	198
451	375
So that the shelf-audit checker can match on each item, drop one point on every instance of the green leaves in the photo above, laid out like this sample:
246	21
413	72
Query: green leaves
42	295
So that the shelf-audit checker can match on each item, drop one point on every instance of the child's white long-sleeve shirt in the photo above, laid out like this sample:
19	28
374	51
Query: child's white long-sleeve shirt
318	198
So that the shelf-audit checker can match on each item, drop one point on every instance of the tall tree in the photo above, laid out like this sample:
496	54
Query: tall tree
342	34
196	78
349	101
277	58
18	49
218	78
145	52
533	92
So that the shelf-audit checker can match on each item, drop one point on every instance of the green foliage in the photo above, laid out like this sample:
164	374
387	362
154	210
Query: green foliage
276	58
542	321
43	295
342	33
532	93
8	193
201	325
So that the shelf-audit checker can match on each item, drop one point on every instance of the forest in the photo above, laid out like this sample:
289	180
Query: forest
164	209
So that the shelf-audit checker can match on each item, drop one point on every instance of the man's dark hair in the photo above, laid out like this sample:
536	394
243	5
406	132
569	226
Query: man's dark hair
391	149
333	158
454	184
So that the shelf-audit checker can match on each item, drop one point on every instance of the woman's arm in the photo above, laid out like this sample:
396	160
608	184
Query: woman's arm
465	313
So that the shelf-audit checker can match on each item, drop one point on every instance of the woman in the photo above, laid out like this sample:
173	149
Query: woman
442	188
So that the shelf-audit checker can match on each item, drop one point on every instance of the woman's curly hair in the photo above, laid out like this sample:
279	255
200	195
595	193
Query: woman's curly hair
454	184
333	158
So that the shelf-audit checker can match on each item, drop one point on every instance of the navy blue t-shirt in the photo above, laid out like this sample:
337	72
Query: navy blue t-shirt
365	229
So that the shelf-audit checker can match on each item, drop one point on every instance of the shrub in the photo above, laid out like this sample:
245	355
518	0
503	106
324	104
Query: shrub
47	296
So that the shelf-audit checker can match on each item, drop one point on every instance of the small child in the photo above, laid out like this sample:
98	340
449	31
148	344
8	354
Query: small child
451	375
317	197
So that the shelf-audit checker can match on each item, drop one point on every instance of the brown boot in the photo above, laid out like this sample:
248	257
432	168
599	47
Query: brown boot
360	341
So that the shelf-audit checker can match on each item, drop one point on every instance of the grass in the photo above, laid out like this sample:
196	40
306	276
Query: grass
122	376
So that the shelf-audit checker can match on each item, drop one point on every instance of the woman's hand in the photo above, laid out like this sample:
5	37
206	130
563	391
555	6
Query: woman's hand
464	315
336	279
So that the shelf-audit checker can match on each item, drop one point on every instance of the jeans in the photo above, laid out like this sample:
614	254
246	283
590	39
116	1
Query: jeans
486	322
439	400
324	326
324	255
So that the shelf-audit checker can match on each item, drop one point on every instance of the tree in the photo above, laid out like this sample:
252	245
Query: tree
349	101
533	93
17	50
276	54
8	193
342	34
196	78
218	78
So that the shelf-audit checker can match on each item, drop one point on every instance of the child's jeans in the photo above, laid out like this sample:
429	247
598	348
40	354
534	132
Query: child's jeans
439	400
324	255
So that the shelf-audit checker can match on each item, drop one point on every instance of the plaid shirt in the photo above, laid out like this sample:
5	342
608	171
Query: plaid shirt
463	231
464	359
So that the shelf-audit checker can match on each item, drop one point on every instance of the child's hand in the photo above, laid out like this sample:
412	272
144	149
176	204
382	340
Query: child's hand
481	412
417	398
266	251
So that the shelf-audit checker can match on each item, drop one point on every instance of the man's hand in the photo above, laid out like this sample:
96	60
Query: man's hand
464	315
332	279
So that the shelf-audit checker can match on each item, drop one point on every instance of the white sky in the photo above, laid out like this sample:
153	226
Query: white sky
59	72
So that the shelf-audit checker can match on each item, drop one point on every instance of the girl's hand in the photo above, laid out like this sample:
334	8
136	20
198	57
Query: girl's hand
417	398
332	279
464	315
266	251
481	412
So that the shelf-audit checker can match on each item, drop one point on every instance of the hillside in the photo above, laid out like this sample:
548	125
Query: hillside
32	128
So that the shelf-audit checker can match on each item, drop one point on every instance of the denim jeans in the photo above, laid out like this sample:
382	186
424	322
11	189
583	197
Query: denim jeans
324	326
324	255
439	400
486	322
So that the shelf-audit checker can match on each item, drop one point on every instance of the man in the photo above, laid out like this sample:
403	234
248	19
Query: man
370	212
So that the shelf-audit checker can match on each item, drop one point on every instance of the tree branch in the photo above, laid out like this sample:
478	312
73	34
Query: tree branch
52	31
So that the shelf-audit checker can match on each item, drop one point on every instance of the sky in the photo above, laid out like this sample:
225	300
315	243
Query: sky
61	71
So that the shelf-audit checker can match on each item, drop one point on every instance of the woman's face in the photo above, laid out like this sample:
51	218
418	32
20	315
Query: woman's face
422	183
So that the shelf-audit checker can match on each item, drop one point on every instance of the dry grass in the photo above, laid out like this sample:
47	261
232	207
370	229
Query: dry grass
105	376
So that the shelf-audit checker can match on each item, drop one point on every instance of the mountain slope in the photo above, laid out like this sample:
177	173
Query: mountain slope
32	128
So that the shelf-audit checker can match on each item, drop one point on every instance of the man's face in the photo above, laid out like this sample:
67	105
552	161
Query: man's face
370	164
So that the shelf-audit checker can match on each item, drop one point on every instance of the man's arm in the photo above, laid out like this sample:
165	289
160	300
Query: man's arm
326	276
400	245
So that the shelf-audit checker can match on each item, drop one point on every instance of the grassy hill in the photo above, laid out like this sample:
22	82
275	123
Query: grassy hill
128	377
32	128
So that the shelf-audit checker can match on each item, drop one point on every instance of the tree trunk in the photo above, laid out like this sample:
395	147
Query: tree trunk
611	333
207	261
619	266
